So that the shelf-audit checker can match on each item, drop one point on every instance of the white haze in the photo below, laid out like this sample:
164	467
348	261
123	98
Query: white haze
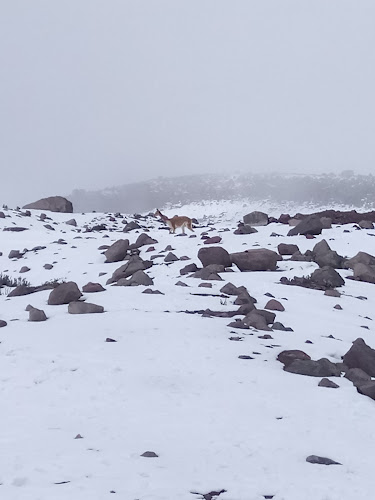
96	93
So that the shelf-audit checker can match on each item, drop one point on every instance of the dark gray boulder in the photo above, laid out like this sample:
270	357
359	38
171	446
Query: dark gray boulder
37	314
256	219
138	278
309	225
325	382
320	368
53	204
3	323
214	255
64	293
315	459
21	290
84	308
364	272
326	277
360	258
92	288
357	376
142	240
274	305
367	389
71	222
135	263
117	251
288	356
260	259
287	249
190	268
360	355
245	229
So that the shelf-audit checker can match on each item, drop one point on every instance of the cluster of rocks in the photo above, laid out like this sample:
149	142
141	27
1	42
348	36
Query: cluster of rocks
358	366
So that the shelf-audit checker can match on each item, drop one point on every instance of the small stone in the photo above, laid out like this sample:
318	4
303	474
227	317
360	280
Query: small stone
149	454
325	382
108	339
78	436
315	459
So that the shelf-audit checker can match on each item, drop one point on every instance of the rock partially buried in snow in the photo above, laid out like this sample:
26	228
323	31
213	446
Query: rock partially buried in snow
64	293
84	308
138	278
37	314
325	382
315	459
92	288
149	454
3	323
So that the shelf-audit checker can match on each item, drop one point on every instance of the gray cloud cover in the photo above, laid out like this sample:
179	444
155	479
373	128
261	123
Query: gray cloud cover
98	93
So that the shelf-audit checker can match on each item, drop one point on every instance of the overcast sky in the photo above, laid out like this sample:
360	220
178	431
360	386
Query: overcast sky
98	93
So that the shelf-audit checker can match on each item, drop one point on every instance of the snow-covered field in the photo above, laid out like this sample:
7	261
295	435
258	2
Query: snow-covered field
173	383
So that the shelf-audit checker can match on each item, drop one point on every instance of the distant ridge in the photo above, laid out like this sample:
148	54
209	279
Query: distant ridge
346	188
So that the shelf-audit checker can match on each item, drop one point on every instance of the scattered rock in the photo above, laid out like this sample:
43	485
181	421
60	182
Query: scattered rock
310	225
256	219
321	368
92	288
149	454
37	314
360	355
287	357
260	259
64	293
84	308
325	382
274	305
117	251
315	459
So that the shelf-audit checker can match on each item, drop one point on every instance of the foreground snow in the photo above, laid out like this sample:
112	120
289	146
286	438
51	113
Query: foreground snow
173	382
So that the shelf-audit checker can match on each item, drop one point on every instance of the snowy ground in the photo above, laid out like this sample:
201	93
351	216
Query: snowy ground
173	382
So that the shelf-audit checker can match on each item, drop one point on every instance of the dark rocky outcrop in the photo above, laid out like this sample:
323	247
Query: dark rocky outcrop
53	204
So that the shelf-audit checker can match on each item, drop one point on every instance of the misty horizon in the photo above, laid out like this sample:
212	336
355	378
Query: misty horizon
97	95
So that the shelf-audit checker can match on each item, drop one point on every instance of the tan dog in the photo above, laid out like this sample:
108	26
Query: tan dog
175	222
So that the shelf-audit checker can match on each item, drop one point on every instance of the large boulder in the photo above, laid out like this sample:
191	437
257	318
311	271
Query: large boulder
214	255
363	272
53	204
309	225
326	278
259	259
138	278
64	293
256	219
360	355
360	258
323	255
36	314
117	251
